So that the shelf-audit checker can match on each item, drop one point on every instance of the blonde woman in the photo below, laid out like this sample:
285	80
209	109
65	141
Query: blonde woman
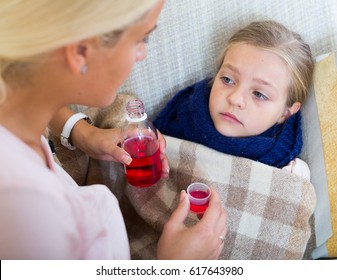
56	53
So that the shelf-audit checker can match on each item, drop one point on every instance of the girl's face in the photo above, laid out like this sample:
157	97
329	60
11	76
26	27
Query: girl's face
249	92
110	66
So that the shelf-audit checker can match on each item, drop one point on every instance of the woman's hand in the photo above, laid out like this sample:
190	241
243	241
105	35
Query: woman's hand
98	143
201	241
104	144
163	157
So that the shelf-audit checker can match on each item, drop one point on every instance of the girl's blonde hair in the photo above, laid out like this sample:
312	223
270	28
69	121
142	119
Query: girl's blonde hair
289	46
31	28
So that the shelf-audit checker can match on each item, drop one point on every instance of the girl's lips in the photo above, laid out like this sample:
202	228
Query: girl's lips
230	117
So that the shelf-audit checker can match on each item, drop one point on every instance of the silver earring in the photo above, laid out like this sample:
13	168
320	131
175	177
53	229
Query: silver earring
84	69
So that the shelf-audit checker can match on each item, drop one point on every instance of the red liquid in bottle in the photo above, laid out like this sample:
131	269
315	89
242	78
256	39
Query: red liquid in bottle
198	208
145	169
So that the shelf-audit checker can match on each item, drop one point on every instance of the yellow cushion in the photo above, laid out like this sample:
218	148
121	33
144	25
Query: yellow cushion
325	87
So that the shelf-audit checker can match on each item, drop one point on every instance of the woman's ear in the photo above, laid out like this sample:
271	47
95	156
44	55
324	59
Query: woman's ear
290	111
76	57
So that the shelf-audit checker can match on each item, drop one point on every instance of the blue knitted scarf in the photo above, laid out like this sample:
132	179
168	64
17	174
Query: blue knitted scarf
187	117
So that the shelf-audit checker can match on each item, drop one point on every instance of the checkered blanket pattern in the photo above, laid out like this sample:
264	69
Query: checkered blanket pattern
269	210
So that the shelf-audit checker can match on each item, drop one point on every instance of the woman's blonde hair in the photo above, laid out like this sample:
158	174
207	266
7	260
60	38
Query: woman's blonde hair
30	28
289	46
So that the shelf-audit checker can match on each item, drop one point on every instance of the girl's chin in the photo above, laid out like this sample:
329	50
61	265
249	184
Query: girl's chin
229	132
234	134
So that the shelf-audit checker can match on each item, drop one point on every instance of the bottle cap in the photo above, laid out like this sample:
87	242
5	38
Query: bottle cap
135	111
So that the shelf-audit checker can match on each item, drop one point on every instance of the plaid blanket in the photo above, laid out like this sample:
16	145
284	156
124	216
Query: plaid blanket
269	209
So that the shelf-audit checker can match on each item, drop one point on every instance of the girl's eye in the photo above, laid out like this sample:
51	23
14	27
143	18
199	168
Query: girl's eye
259	95
227	81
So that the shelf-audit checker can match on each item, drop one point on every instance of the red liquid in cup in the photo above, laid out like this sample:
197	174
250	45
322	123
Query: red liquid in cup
198	208
145	169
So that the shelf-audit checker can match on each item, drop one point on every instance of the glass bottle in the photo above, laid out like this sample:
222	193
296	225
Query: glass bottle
140	140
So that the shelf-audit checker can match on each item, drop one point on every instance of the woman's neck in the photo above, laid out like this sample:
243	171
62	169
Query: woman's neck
27	118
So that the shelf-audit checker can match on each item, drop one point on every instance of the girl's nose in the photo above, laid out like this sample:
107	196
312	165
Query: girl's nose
237	98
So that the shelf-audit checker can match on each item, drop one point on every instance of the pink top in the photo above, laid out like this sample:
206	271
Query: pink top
44	214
